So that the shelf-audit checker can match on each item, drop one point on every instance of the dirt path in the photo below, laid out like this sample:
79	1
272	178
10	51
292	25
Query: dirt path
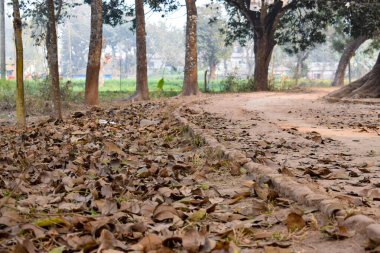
332	147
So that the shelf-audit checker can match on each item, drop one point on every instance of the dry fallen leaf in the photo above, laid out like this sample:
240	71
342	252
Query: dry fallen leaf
270	249
112	147
295	222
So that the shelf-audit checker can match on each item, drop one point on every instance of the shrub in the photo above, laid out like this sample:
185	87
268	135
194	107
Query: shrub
7	95
232	83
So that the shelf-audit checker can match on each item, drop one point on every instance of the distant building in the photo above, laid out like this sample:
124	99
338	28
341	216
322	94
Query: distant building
10	70
321	70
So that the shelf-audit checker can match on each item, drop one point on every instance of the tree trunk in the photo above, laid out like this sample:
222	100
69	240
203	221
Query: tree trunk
20	101
348	52
142	90
3	70
366	87
94	54
212	71
190	82
301	57
52	58
264	46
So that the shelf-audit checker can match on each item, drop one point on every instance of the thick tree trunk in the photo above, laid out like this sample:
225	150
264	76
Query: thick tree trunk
212	71
348	52
142	90
20	101
52	58
3	71
366	87
190	82
264	46
94	54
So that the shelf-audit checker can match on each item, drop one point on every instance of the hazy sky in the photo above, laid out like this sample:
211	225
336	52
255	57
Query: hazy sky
177	19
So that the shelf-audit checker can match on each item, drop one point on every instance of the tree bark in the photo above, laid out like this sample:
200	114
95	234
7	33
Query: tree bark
190	82
20	101
142	90
3	70
366	87
94	54
264	27
52	58
264	46
347	54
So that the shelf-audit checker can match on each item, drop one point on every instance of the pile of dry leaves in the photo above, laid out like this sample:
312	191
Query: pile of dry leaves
131	179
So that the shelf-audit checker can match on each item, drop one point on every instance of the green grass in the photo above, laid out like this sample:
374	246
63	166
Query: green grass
128	85
37	93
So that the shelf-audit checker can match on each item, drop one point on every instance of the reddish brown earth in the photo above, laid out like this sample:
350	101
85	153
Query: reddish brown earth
331	147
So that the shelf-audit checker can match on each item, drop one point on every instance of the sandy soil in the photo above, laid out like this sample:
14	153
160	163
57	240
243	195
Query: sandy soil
332	147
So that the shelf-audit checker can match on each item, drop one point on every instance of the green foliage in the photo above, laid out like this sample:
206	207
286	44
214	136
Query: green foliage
37	95
360	18
7	94
211	42
303	26
160	84
232	83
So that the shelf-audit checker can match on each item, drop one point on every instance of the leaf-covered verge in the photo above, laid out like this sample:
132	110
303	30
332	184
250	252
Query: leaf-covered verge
130	179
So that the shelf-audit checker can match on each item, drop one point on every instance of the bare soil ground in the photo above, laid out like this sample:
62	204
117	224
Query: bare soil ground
331	147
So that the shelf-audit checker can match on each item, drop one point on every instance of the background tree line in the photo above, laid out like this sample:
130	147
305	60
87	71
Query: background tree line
297	25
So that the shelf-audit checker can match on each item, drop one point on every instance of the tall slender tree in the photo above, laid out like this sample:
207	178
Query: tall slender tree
366	87
190	82
361	18
142	91
344	61
20	101
52	58
211	42
2	41
94	54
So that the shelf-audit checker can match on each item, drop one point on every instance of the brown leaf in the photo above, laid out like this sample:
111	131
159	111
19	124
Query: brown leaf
26	246
106	191
149	243
262	191
112	147
79	242
192	241
270	249
38	232
339	232
106	240
164	212
295	222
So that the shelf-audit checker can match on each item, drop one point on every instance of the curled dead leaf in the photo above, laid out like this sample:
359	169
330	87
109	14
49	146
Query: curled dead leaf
295	222
112	147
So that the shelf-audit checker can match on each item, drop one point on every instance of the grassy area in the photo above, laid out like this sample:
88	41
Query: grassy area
37	93
129	85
